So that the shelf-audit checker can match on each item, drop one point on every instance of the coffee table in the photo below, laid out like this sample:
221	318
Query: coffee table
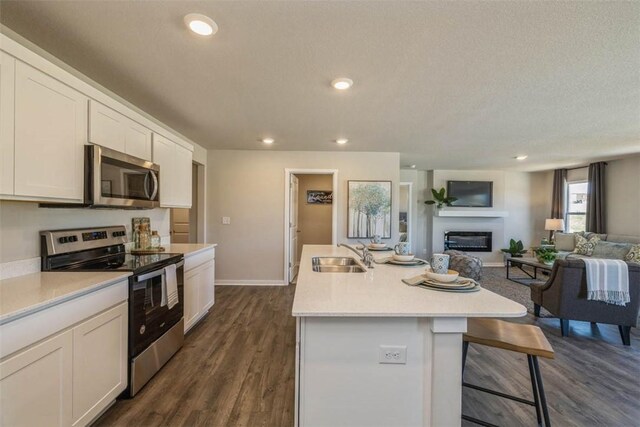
532	264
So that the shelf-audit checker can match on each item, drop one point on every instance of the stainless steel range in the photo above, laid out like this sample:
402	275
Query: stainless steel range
156	332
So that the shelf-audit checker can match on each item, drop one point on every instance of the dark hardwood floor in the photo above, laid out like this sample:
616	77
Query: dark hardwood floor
237	369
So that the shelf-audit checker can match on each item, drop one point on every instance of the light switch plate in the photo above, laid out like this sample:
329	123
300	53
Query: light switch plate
396	354
226	220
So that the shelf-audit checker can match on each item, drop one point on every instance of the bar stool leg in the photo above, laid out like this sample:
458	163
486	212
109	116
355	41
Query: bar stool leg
543	399
465	349
534	388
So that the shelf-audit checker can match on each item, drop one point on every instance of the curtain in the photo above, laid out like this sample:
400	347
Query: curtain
596	210
557	199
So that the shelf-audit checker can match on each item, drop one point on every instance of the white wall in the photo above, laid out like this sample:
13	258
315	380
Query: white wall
21	222
513	192
249	187
623	196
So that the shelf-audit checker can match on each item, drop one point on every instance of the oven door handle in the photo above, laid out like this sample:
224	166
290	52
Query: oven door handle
156	273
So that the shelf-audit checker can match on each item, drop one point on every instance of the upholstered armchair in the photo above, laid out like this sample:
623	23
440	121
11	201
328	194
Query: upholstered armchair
565	295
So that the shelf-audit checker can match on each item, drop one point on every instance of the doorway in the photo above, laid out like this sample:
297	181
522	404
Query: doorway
187	224
405	212
310	213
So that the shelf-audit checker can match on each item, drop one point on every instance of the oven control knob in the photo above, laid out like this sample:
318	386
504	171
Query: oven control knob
142	329
62	240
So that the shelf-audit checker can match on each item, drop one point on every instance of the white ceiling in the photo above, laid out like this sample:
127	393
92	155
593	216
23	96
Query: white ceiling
450	85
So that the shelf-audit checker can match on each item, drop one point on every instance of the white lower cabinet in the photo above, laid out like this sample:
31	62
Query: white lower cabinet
99	363
35	384
199	288
69	378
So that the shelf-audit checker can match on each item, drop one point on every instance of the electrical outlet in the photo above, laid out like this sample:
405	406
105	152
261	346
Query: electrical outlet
424	251
393	354
226	220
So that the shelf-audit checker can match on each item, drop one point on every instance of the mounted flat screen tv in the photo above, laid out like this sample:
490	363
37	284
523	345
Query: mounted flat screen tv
471	194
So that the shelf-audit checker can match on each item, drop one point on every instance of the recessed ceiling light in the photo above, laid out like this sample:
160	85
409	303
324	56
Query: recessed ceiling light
342	83
201	24
268	140
412	166
342	141
524	156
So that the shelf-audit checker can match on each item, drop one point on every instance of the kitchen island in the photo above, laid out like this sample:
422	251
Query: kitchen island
372	351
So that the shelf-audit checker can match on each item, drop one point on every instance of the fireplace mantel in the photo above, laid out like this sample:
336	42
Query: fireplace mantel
470	213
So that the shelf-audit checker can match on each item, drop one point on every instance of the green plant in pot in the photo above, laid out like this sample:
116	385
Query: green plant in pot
440	198
546	255
515	249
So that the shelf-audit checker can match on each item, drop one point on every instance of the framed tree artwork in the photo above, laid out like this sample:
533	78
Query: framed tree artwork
369	209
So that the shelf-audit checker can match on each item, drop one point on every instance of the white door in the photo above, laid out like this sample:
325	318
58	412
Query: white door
35	385
50	133
293	227
207	288
99	363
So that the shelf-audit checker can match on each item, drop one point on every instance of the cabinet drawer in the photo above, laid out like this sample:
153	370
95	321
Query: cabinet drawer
195	260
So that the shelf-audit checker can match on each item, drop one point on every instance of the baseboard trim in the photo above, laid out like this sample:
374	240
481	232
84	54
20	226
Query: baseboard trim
251	283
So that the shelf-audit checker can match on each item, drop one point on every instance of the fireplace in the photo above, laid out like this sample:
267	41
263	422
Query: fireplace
469	241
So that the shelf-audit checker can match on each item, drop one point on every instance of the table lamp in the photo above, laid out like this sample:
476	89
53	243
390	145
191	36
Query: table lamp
553	225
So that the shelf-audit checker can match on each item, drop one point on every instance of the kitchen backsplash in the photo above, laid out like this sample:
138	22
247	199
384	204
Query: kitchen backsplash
21	222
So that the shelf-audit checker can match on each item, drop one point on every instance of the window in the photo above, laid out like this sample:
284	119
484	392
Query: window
576	206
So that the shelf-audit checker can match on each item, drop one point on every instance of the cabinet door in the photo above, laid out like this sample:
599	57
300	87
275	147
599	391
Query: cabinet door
137	141
35	384
7	93
99	363
207	287
192	304
163	155
107	127
50	133
183	175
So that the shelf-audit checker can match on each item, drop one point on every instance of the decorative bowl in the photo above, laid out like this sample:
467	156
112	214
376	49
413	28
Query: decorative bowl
404	258
377	245
451	276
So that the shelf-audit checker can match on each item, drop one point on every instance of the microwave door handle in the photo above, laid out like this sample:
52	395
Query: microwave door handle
155	185
156	273
146	186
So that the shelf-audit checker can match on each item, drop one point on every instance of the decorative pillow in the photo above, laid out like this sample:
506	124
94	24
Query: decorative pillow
565	242
584	246
611	250
634	254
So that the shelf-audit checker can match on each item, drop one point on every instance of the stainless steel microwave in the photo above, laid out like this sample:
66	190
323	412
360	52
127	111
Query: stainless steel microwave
118	180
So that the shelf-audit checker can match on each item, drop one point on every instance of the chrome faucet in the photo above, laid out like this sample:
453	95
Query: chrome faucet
365	256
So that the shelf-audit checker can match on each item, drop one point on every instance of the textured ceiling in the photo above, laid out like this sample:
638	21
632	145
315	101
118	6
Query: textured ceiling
447	84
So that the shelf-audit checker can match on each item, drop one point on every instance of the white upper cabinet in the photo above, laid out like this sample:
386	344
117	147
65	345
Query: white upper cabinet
175	172
7	95
111	129
50	133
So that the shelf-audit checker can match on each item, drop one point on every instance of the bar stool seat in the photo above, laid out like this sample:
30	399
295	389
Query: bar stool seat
526	339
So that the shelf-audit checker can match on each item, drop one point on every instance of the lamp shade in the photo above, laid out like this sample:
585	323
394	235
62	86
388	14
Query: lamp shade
553	224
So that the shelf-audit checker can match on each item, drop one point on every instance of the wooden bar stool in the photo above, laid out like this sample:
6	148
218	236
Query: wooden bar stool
527	339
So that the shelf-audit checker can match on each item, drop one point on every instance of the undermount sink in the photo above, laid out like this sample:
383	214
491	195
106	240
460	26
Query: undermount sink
336	265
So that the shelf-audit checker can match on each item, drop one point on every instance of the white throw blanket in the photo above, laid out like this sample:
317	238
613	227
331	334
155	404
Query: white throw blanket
607	280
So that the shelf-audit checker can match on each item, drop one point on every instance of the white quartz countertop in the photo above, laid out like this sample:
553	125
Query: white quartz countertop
380	292
23	295
187	248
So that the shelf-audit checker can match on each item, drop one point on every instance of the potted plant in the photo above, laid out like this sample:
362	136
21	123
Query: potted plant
440	198
515	250
546	255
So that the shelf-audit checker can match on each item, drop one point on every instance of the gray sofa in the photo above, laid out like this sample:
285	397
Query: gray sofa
565	294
